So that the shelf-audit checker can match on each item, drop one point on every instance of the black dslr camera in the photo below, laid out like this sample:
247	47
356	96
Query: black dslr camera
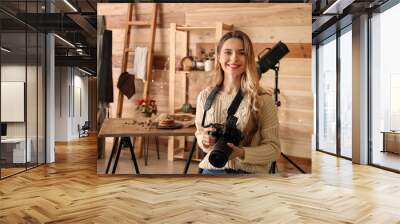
224	134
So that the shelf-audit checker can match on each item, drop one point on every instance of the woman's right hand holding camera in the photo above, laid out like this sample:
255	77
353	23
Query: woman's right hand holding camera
208	140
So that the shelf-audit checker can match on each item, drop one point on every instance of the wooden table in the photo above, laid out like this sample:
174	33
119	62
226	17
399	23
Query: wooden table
129	127
391	141
124	127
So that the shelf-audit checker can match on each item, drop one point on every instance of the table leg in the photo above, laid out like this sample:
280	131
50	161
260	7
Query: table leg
146	149
133	157
114	147
117	158
158	148
139	146
384	142
171	148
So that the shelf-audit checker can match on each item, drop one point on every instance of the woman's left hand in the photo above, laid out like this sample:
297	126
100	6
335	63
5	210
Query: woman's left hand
236	151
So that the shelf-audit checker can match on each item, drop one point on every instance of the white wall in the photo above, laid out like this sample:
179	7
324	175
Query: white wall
33	126
61	103
80	83
15	73
70	83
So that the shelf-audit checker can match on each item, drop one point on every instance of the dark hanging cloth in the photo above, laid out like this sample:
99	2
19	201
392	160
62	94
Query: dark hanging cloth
126	84
106	93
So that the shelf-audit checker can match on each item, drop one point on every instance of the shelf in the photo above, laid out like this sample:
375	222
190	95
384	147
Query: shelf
184	76
139	23
193	71
188	28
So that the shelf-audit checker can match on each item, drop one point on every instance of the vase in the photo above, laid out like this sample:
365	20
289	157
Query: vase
200	65
147	114
208	65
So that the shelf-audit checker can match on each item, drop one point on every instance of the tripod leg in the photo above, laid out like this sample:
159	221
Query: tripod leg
294	164
190	156
114	149
129	144
117	158
133	157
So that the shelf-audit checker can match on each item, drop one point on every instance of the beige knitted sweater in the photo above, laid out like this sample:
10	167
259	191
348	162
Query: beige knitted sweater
264	147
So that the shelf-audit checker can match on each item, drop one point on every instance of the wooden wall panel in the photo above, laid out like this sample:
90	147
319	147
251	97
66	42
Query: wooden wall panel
266	24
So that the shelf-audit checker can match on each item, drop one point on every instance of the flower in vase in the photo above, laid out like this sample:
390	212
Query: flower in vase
147	106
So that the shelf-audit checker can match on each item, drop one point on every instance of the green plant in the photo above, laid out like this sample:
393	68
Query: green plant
186	108
210	55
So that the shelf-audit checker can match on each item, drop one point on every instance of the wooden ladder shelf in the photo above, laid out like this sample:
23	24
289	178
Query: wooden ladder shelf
132	22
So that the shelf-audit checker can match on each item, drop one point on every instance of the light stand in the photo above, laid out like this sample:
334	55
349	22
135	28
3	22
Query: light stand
276	89
278	104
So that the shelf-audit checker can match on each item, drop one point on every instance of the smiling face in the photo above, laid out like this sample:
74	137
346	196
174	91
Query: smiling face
232	57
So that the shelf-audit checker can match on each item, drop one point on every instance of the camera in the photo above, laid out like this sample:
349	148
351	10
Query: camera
224	134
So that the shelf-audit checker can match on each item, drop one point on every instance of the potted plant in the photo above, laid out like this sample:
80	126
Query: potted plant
209	62
186	108
147	106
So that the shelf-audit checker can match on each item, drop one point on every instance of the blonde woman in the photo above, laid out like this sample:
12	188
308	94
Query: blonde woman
256	114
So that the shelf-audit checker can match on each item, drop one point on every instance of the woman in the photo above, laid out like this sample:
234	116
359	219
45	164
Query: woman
257	114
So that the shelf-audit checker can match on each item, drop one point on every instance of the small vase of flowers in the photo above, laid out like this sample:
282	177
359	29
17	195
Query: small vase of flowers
147	106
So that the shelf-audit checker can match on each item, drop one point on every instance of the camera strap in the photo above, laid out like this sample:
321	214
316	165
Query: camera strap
232	108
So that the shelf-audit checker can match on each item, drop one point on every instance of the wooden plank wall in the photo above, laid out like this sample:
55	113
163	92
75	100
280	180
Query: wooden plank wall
265	23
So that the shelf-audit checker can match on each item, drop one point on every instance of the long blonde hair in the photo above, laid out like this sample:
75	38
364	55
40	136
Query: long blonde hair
249	80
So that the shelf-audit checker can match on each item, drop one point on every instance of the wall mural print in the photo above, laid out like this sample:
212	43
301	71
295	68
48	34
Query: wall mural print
213	89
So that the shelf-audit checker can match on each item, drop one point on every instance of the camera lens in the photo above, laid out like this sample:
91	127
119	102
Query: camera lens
218	159
220	155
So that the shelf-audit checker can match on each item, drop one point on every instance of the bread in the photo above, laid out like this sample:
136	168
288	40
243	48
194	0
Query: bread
166	120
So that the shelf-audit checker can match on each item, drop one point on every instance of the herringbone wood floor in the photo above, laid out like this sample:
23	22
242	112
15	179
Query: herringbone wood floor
70	191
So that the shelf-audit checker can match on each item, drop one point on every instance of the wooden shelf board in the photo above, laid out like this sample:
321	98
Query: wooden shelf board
188	28
193	71
140	23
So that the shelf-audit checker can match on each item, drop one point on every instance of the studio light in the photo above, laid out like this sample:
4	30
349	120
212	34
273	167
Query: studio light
269	59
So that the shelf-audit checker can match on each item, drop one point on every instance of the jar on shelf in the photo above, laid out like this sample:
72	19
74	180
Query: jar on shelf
208	65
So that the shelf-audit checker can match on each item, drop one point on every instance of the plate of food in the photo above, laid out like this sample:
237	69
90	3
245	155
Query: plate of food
166	121
176	125
186	119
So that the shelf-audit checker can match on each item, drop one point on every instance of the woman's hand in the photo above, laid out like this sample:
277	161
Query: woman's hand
208	140
236	151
